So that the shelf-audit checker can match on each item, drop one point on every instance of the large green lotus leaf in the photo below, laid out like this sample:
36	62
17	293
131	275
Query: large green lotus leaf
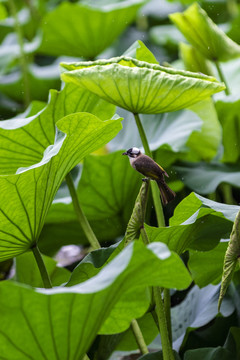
204	178
205	35
189	207
197	223
26	196
229	116
206	267
141	87
95	28
196	310
24	138
27	271
202	232
68	319
107	191
93	263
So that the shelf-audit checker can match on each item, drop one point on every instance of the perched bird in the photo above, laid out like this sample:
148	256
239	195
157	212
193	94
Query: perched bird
149	168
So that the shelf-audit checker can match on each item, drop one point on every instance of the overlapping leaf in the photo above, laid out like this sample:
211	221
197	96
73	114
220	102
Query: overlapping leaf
198	224
141	87
107	191
86	30
26	196
204	35
34	132
204	178
60	317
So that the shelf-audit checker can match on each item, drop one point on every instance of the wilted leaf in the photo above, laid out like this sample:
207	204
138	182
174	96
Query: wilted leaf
141	87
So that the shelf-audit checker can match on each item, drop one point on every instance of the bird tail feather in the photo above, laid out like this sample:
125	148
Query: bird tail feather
167	194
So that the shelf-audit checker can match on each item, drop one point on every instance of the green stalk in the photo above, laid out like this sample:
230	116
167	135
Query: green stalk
166	347
159	214
222	77
154	187
167	308
42	268
139	337
80	215
227	194
23	59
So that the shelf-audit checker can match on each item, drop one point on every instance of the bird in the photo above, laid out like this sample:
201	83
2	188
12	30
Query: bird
149	168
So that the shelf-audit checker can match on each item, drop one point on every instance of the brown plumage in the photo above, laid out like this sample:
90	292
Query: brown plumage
149	168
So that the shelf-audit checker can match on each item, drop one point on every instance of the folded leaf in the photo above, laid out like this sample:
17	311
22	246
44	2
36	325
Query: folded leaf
68	319
205	35
24	138
141	87
26	196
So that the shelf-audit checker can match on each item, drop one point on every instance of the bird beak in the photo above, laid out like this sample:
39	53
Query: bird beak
124	153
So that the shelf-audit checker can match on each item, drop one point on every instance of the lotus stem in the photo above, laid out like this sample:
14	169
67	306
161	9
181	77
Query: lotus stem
139	337
42	268
222	77
81	216
166	346
159	215
154	187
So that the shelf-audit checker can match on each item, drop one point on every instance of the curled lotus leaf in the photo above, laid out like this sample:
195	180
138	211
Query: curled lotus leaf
141	87
205	35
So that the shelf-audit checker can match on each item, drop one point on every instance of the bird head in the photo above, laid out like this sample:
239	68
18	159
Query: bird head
133	152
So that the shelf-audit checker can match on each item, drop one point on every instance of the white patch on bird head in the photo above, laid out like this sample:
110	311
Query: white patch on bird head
135	150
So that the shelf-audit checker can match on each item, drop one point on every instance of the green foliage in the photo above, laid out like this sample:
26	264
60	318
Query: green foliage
49	128
203	34
134	85
39	313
